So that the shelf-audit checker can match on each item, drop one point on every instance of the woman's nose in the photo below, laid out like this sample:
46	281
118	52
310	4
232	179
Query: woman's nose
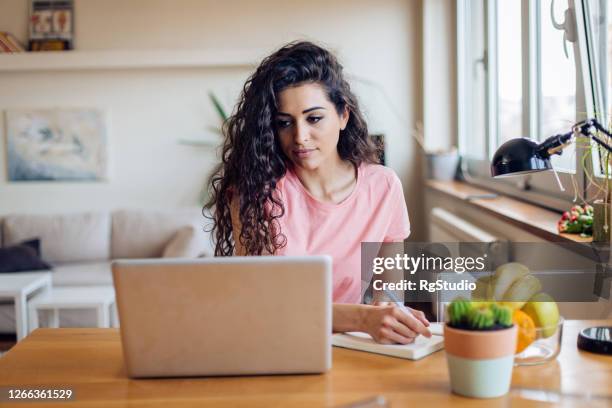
301	134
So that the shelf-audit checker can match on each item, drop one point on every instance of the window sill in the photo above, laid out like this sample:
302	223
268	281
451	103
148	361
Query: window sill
531	218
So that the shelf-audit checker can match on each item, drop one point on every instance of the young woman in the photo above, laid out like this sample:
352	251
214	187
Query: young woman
299	177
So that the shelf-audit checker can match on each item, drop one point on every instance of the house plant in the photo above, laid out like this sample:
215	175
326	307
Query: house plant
598	187
480	341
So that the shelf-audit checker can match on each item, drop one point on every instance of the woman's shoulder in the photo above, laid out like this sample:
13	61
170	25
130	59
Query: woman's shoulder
377	175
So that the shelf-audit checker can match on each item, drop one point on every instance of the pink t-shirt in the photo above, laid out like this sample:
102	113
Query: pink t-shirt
374	212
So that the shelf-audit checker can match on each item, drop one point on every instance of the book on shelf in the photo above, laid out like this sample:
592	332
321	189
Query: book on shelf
3	47
9	44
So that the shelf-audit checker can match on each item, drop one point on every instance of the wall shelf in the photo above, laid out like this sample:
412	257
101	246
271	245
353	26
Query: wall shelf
200	142
127	59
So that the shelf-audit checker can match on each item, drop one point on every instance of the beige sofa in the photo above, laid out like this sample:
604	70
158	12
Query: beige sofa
80	246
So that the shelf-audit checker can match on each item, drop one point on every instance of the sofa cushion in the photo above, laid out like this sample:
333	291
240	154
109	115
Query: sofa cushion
83	274
22	257
183	244
145	234
63	237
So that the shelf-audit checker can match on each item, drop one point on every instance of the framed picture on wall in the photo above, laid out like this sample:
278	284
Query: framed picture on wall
56	145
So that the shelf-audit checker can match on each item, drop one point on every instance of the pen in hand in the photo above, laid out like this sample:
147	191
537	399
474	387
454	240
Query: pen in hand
400	304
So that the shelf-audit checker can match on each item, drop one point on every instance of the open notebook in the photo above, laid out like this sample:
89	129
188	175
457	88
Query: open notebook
421	347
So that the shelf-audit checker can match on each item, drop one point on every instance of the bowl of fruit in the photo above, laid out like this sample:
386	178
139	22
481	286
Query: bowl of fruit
540	331
534	313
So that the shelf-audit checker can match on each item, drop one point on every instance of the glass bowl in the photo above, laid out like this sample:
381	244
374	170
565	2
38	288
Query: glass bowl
545	347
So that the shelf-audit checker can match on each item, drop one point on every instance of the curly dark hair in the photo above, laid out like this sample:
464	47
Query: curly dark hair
252	159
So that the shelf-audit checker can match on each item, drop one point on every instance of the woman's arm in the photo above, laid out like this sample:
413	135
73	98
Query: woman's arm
348	317
386	323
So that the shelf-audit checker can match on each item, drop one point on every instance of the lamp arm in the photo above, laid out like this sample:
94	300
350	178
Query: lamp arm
555	144
585	129
601	143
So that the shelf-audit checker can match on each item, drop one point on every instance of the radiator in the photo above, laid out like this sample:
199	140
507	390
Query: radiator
447	227
465	239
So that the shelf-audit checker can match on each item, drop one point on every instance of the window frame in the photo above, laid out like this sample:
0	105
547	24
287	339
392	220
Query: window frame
597	87
539	188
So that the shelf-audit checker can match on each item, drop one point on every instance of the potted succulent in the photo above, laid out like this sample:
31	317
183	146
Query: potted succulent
480	342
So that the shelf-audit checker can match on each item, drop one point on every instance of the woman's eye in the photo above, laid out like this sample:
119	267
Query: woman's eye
283	123
314	119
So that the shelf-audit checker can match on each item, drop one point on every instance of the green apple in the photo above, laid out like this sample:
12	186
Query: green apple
544	311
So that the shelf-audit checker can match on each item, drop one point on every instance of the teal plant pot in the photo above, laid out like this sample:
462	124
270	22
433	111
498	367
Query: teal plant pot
480	363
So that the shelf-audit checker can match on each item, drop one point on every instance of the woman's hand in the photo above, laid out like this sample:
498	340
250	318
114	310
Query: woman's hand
388	323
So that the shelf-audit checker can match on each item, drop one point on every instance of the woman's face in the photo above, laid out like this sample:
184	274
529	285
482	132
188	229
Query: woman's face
308	125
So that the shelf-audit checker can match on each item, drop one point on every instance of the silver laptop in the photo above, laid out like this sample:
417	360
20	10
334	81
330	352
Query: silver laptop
225	316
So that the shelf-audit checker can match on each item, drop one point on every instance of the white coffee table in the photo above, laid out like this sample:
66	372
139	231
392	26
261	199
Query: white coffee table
99	298
17	287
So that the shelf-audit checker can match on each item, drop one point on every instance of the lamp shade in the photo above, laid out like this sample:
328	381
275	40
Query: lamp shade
518	156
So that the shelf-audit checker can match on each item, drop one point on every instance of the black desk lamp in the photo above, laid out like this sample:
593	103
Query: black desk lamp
522	156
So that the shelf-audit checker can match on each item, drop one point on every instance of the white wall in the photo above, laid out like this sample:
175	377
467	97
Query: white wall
439	75
149	109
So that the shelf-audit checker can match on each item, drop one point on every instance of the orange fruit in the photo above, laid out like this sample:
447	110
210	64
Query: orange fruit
526	333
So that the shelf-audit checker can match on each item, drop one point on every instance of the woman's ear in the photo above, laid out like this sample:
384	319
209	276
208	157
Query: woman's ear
344	117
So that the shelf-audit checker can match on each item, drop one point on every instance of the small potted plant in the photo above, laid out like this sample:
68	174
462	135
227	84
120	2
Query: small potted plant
480	342
578	220
598	173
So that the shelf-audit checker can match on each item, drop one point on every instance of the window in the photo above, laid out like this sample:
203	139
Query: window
557	78
509	72
525	69
598	24
472	82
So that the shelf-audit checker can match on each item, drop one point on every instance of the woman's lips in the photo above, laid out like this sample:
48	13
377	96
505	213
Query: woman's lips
303	153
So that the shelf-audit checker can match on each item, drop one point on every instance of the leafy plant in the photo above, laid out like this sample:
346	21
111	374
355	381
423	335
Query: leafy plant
578	220
502	314
218	107
467	315
221	113
598	186
480	318
458	310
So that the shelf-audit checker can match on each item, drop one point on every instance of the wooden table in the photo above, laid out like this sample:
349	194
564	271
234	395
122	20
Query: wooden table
90	362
